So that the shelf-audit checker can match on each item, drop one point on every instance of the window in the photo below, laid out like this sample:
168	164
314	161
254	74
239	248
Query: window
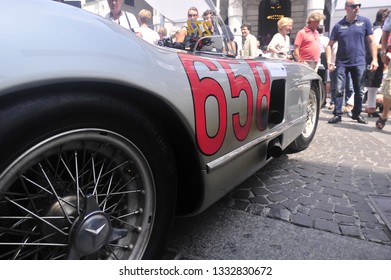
129	2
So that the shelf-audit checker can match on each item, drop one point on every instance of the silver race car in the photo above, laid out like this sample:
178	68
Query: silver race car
105	138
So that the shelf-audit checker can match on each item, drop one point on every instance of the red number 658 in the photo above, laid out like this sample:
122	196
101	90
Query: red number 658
208	87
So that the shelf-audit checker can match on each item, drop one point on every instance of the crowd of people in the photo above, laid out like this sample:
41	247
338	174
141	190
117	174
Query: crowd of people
353	58
357	60
354	71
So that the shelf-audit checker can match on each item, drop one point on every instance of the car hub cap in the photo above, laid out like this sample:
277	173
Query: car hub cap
82	194
92	232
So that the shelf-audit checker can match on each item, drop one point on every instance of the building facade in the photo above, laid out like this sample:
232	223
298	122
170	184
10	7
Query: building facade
264	14
261	14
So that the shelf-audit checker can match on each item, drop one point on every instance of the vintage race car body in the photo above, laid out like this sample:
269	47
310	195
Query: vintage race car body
80	97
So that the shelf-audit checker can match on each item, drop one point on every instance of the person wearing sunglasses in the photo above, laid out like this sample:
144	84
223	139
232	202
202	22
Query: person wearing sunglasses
190	30
351	33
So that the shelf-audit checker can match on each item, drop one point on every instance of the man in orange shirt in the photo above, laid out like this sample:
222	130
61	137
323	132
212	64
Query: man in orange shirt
307	42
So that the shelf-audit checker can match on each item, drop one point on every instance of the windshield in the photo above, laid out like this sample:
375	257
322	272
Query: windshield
194	26
202	36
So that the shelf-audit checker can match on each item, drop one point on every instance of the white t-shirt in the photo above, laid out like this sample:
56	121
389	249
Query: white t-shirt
324	41
123	20
148	34
377	34
280	43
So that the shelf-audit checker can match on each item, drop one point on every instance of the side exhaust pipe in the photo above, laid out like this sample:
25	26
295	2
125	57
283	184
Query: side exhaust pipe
274	148
275	117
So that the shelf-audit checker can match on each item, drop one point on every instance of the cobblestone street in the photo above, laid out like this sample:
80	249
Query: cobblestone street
328	186
311	205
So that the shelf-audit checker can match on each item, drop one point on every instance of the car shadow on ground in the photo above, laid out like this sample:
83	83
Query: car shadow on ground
326	186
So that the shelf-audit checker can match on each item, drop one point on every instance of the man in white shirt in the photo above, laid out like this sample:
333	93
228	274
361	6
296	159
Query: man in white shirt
123	18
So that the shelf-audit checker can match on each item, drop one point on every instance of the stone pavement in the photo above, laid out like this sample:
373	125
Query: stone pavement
327	187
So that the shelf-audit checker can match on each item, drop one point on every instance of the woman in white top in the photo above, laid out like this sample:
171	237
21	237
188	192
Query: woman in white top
279	46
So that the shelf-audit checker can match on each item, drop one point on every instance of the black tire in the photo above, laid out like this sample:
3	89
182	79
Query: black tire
305	138
83	176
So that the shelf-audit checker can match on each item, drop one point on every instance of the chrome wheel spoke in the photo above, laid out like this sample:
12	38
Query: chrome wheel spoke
36	216
43	206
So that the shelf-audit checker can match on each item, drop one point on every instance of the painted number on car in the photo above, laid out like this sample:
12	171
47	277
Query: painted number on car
205	78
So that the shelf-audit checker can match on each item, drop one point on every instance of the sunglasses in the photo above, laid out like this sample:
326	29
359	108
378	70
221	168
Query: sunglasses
355	6
192	15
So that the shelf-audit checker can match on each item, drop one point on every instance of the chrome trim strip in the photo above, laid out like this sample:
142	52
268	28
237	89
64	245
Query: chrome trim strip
223	160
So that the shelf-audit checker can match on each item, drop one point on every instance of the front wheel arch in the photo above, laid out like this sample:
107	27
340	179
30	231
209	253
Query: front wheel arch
27	125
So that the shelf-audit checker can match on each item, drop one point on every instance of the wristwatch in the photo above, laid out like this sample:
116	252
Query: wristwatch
382	53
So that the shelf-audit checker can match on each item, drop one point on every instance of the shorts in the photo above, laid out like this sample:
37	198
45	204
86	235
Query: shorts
386	87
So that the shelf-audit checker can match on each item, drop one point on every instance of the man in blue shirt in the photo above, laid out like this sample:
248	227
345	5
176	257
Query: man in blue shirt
351	33
211	18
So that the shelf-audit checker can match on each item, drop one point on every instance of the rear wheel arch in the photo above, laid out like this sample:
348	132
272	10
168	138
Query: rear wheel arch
313	109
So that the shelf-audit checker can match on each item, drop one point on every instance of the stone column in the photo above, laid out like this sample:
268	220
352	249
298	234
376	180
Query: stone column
218	7
315	6
235	18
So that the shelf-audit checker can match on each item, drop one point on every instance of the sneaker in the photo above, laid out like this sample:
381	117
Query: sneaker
335	119
359	119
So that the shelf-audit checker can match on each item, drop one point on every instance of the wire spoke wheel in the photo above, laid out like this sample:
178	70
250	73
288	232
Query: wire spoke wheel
82	194
312	109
